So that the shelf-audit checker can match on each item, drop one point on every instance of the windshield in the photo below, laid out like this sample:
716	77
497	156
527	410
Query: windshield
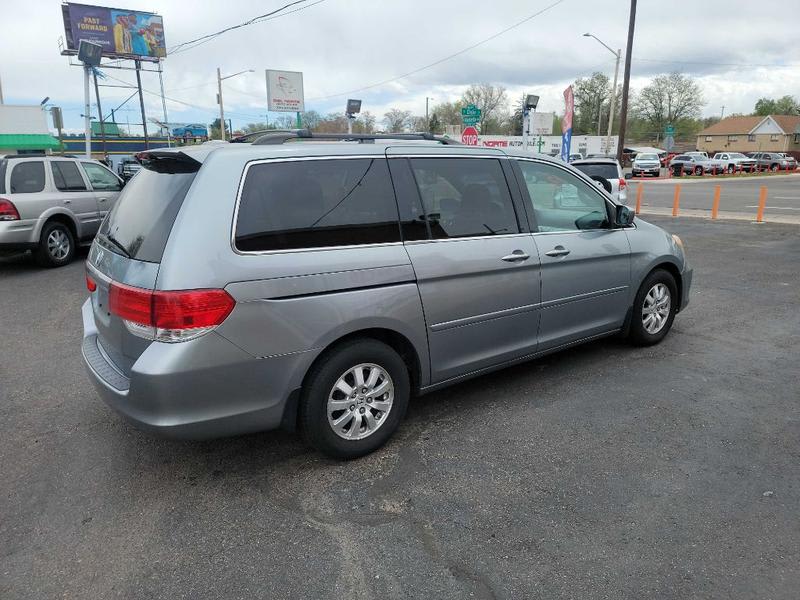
140	222
604	170
737	155
647	157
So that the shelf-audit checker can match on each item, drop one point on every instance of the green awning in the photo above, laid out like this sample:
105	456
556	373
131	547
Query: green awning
110	128
20	141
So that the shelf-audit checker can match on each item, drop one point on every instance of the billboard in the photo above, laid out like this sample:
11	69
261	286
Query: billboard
285	91
566	124
121	33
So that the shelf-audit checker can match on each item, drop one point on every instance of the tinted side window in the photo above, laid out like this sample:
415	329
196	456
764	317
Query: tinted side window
3	167
317	204
27	177
412	215
464	197
100	178
561	201
66	176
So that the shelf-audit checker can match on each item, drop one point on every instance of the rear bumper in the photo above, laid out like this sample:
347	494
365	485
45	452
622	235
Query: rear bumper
202	389
17	235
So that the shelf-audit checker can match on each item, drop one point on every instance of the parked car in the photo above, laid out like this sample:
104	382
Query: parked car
245	287
773	161
646	163
575	156
190	131
693	164
128	168
608	173
730	162
49	204
696	154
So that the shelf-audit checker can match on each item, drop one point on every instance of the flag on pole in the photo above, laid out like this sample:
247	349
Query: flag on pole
566	124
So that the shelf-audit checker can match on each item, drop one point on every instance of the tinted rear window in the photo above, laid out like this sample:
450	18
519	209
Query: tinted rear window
3	167
66	176
316	204
603	170
27	177
145	212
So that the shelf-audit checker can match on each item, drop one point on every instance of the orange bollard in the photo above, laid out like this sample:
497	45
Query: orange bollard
762	204
639	190
676	200
715	205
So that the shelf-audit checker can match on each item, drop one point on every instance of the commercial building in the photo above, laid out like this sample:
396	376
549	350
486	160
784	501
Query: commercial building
773	133
23	130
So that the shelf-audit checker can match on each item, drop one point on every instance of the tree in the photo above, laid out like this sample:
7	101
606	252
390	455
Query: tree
214	131
491	100
396	120
669	99
434	126
447	113
592	101
786	105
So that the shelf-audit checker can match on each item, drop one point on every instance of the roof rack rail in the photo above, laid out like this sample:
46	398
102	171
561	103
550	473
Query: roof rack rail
275	136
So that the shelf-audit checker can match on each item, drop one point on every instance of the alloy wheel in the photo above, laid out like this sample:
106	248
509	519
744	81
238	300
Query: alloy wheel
656	308
360	401
58	244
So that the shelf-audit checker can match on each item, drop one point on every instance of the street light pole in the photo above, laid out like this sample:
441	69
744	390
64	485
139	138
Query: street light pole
219	99
221	109
613	102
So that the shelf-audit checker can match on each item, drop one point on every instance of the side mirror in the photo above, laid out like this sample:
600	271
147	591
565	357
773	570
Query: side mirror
624	216
628	175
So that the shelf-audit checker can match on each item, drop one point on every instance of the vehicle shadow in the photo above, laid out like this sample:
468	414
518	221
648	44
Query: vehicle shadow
21	262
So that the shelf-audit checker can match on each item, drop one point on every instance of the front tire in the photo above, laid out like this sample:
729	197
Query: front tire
354	399
56	245
654	308
698	171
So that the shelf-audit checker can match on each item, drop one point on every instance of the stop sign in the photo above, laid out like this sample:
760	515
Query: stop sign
470	136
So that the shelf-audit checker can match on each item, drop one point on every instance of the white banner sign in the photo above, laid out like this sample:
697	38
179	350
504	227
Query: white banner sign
285	91
542	123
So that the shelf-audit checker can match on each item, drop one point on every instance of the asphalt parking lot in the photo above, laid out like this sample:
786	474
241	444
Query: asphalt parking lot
601	472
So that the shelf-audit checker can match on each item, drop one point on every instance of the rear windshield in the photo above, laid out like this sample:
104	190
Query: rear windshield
604	170
142	218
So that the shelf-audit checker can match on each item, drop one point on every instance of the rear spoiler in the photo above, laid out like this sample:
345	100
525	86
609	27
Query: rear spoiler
162	161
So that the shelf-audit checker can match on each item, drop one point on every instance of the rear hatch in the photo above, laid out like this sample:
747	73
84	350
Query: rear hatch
127	252
602	170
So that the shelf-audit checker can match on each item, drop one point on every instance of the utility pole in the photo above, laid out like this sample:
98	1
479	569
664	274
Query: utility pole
141	103
164	104
100	112
87	124
626	82
221	109
599	112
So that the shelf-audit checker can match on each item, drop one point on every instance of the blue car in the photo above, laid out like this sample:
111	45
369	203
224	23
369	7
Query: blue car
190	131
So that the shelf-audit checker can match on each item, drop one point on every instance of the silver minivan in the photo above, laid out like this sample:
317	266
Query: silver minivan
317	285
50	204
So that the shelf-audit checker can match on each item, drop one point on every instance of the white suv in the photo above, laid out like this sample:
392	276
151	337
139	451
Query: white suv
49	204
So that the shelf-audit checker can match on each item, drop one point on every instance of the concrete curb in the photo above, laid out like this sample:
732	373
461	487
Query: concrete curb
695	213
719	179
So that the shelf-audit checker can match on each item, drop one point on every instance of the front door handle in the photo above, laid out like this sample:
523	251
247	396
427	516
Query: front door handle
103	199
557	251
516	256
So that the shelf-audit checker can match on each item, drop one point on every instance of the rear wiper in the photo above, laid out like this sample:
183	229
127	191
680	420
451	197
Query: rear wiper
118	245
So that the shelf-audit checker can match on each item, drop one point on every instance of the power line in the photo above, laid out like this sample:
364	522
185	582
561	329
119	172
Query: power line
446	58
274	14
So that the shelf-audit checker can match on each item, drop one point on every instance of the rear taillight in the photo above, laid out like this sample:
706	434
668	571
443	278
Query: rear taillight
8	212
169	316
91	285
622	184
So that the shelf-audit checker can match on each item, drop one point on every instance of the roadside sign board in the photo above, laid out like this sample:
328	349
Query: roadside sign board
471	114
285	91
669	131
669	142
469	136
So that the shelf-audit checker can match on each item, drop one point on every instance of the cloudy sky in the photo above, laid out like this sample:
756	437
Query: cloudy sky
738	51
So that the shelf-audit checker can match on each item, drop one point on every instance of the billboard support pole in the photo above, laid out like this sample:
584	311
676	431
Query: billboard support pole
100	112
221	109
164	105
86	110
141	102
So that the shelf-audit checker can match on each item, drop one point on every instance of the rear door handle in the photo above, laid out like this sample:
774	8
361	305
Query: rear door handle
557	251
517	255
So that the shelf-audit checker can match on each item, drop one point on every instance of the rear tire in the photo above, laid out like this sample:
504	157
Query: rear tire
731	169
698	170
654	308
56	245
336	413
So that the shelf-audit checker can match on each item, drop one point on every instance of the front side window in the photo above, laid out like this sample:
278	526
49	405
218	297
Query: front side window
316	204
66	176
561	201
27	177
464	197
100	178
